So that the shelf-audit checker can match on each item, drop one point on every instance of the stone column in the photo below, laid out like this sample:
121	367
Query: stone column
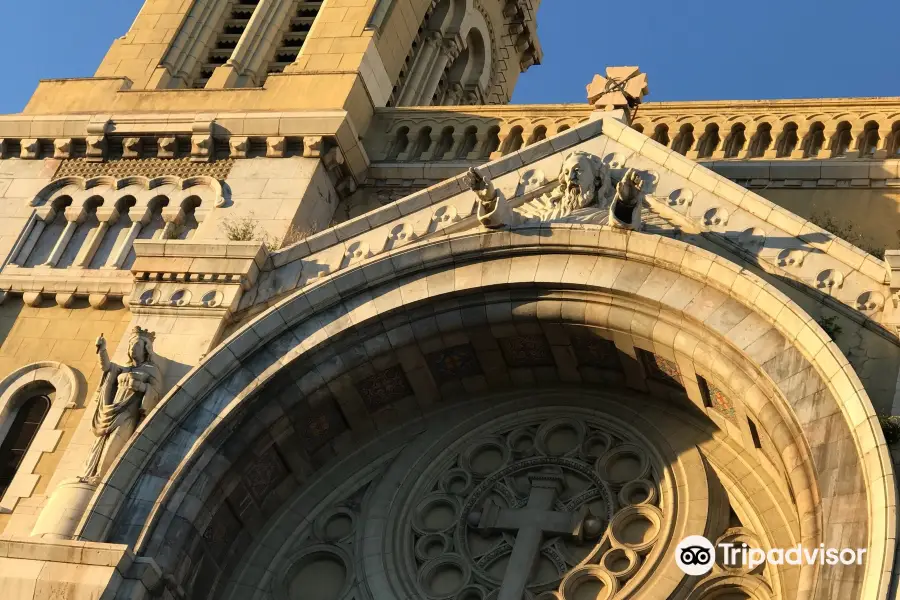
106	217
447	53
120	253
74	216
420	69
21	252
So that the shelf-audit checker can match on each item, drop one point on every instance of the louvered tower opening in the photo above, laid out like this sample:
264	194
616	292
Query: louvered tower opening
227	40
294	36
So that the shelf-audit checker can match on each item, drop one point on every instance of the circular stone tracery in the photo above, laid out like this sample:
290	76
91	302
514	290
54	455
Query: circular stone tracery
598	496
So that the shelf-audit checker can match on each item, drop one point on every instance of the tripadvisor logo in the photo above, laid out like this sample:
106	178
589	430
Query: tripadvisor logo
695	555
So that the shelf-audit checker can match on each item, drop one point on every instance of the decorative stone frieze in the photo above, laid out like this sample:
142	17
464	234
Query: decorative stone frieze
202	279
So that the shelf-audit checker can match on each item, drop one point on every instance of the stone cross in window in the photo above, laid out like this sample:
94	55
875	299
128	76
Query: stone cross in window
531	524
623	87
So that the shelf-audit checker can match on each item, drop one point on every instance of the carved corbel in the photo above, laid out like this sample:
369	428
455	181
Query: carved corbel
201	147
96	147
313	146
167	147
275	147
131	147
30	148
31	298
62	148
238	146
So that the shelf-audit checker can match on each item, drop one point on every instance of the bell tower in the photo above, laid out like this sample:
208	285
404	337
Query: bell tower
355	55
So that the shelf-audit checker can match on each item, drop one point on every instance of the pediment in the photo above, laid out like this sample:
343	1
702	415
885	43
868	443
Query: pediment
680	197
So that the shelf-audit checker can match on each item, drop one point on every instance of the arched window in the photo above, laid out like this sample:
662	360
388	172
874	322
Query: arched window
513	141
868	140
787	141
684	141
709	141
760	141
661	134
18	438
840	141
814	139
735	141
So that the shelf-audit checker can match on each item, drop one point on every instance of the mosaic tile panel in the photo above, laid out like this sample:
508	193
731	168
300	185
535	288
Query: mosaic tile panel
526	351
263	474
318	426
453	364
597	352
221	532
145	167
384	388
717	400
660	369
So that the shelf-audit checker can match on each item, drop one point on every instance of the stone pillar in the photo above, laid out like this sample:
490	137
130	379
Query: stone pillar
447	53
120	253
64	509
74	216
106	217
420	69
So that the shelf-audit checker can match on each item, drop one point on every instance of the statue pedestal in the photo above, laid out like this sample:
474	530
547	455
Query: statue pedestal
64	509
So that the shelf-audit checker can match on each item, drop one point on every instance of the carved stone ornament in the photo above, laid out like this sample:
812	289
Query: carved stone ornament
623	87
584	182
534	506
126	394
625	210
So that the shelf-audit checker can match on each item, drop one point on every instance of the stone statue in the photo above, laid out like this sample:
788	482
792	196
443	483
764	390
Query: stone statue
625	210
583	182
493	210
125	395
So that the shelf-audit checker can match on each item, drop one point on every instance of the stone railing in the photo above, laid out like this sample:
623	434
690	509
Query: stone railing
867	128
465	133
827	128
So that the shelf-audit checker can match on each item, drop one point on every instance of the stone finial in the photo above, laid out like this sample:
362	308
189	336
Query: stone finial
623	87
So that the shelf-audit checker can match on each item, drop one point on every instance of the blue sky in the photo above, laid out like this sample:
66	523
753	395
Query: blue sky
691	49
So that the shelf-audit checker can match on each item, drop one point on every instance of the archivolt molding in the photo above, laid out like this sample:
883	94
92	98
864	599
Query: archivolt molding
213	392
143	189
15	388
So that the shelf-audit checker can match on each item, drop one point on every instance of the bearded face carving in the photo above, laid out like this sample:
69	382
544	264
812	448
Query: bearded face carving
583	180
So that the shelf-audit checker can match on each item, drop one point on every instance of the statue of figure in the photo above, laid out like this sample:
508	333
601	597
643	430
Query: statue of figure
625	210
493	210
583	181
125	395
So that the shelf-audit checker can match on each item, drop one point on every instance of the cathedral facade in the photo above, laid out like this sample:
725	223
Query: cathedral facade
294	305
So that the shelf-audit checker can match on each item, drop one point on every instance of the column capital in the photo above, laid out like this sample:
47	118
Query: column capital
75	214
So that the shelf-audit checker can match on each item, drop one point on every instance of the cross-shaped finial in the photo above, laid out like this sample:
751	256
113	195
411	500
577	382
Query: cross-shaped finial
623	87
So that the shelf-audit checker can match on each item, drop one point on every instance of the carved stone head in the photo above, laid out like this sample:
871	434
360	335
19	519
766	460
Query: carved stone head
583	180
140	347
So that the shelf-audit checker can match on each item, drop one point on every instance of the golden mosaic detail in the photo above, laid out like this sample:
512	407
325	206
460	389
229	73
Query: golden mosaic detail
146	167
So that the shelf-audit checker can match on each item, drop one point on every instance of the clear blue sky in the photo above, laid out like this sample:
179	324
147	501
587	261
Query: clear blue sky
691	49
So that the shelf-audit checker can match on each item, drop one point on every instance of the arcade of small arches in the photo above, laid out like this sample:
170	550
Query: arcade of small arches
93	223
786	137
